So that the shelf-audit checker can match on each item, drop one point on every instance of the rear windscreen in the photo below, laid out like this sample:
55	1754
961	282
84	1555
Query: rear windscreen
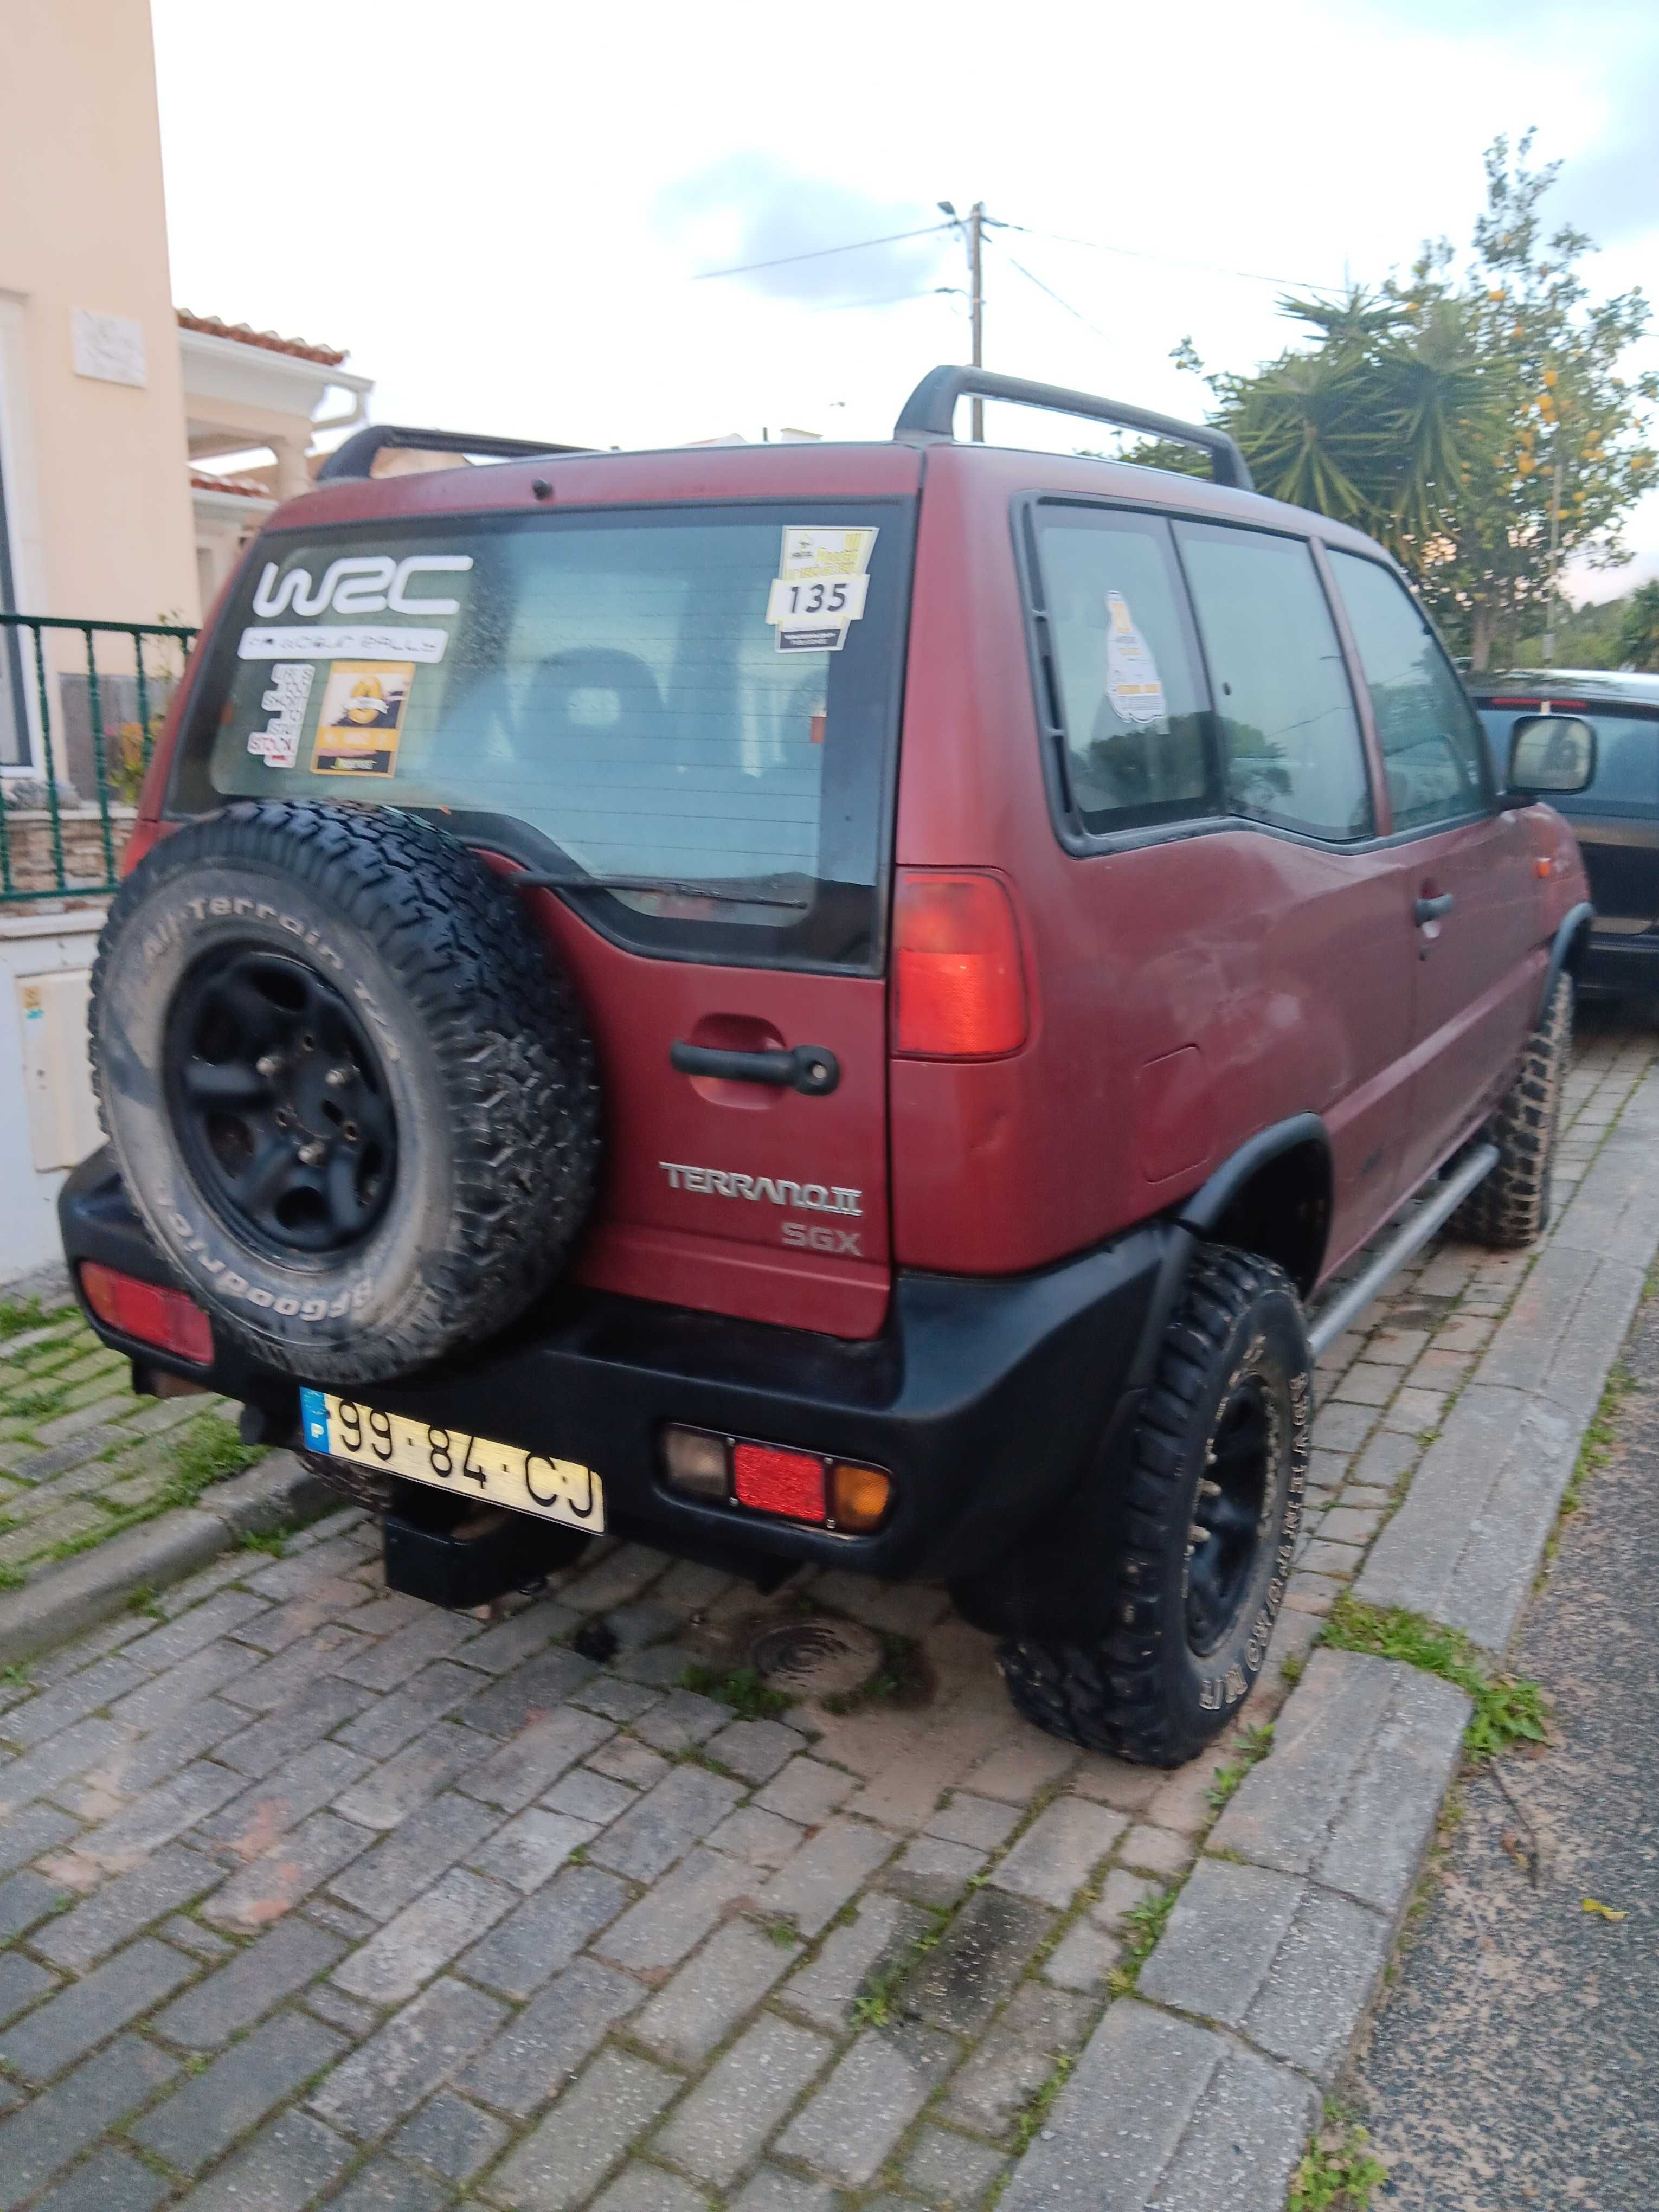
691	714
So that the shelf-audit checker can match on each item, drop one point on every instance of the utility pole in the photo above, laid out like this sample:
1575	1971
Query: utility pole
973	232
976	304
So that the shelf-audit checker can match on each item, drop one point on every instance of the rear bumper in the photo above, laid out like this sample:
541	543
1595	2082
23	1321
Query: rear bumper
987	1399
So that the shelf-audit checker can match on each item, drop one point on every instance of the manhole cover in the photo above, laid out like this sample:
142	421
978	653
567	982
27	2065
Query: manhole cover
819	1657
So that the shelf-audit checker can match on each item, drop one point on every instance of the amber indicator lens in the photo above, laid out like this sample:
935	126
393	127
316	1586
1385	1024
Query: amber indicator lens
860	1495
698	1462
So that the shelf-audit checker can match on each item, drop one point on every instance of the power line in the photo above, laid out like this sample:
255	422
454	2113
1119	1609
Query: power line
1171	260
818	252
1032	279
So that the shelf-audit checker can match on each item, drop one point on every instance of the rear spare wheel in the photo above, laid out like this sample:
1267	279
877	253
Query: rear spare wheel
352	1102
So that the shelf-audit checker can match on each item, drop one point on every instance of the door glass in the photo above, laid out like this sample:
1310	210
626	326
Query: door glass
1432	751
1289	736
1130	699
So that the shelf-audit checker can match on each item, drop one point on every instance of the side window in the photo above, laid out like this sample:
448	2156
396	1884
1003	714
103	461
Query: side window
1290	745
1433	752
1130	700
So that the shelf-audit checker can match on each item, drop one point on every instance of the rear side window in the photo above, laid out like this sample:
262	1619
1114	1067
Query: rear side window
1290	743
1130	703
1432	752
1626	760
690	712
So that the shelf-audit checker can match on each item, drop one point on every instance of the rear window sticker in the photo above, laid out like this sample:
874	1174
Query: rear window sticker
342	642
362	718
285	701
1131	678
361	584
820	587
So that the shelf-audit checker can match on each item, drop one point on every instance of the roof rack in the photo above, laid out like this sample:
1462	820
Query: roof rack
930	412
356	457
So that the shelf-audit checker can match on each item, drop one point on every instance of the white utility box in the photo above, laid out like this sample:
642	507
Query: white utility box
47	1119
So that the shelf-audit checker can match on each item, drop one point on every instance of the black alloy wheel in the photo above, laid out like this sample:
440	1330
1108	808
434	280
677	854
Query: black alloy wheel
280	1101
1229	1518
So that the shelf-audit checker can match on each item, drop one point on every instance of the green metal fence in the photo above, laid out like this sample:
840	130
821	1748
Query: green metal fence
81	706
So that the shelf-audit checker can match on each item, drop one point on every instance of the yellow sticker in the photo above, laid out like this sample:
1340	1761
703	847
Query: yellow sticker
362	717
819	591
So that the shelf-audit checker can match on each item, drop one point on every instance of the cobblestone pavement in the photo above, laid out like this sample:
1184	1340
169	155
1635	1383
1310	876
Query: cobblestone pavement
315	1895
81	1457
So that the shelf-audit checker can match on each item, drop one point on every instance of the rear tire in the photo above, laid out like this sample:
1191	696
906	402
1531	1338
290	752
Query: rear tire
1512	1206
1181	1630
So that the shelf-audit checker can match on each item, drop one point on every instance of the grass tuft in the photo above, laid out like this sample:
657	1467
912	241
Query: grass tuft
1337	2177
18	1314
1508	1709
902	1680
206	1451
1037	2111
1253	1743
11	1578
1143	1924
749	1697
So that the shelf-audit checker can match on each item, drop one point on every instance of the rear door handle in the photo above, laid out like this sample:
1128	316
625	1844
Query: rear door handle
1431	909
810	1068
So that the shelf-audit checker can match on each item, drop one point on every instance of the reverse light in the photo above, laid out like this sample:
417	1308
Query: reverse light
957	987
166	1319
842	1496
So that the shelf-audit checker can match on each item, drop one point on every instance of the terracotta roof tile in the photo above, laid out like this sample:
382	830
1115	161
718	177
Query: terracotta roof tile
210	326
244	487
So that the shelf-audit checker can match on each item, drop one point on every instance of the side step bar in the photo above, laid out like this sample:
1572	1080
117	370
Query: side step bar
1409	1237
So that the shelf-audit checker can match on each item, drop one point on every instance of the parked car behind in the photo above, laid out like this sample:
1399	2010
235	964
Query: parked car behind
1616	819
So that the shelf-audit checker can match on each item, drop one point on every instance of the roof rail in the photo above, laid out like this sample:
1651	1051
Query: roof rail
930	412
356	457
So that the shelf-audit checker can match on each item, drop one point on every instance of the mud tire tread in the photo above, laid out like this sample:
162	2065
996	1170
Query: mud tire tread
1106	1693
1512	1206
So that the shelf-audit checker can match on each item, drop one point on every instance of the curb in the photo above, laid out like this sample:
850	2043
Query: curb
1205	2087
83	1592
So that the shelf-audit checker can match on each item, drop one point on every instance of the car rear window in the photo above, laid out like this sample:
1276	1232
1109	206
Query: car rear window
689	712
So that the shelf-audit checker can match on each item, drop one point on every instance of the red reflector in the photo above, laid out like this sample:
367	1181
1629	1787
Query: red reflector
958	991
787	1482
165	1318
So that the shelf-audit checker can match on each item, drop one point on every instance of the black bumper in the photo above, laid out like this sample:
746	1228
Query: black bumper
987	1399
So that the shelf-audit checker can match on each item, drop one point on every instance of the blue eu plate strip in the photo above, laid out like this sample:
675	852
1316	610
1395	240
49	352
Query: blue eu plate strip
314	1410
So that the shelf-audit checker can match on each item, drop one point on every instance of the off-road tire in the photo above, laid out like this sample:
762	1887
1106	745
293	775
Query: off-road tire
484	1068
1511	1207
1134	1687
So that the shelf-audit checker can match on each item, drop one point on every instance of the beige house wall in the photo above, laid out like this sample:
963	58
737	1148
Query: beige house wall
94	469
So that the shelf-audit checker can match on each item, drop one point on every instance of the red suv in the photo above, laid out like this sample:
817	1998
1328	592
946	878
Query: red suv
822	1004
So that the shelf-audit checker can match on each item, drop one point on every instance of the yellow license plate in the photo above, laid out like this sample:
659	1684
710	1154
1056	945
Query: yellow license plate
472	1467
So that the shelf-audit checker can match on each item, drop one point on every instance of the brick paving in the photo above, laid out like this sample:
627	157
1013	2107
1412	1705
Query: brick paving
82	1459
310	1895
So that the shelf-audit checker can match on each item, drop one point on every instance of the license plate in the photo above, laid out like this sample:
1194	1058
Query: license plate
474	1467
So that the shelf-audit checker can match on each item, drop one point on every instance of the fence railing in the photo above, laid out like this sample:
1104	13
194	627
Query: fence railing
80	707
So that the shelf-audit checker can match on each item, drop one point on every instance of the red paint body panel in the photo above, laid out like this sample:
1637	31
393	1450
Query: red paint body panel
1185	991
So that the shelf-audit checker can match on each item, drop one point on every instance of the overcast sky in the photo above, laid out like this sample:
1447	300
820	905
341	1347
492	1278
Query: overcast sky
503	210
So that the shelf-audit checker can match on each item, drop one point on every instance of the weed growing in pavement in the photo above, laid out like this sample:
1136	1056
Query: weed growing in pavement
902	1680
1599	1438
17	1314
274	1541
35	1406
872	2007
207	1451
145	1600
1143	1924
15	1678
1291	1669
1508	1709
11	1578
749	1697
1336	2176
1037	2111
783	1934
1253	1743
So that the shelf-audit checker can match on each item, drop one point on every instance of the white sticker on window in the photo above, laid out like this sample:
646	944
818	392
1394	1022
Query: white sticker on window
819	590
278	745
1131	678
342	641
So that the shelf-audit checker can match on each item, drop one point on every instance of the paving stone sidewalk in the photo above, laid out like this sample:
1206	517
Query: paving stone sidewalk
82	1459
311	1895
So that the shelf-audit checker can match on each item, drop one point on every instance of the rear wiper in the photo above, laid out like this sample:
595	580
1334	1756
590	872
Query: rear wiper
536	879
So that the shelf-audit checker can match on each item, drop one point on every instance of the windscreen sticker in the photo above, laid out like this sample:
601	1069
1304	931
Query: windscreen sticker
1131	678
339	641
362	718
278	745
819	590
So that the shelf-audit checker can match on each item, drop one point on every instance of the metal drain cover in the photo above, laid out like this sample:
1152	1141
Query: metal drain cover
820	1656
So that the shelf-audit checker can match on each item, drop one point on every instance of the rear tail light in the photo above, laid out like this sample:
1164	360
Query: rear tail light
166	1319
958	990
844	1496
